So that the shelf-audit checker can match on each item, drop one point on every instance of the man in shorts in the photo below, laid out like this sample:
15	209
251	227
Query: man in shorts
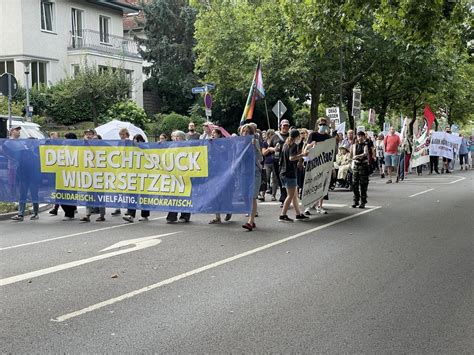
391	144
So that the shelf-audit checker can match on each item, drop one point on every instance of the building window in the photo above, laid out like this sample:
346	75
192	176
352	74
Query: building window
75	69
77	29
104	25
39	73
7	66
47	15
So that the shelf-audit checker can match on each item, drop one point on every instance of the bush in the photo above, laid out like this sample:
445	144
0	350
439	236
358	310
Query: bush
17	107
88	95
167	123
126	111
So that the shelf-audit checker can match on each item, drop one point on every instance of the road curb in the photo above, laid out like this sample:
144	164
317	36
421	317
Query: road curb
6	216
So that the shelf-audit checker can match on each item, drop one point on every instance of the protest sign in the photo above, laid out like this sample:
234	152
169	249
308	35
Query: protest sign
318	172
195	176
420	154
444	144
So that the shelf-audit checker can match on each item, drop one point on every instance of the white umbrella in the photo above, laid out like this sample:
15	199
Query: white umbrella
111	129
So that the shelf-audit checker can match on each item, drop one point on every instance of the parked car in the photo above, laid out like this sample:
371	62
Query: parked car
28	129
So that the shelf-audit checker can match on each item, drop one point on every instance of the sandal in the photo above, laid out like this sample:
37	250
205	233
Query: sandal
215	221
248	226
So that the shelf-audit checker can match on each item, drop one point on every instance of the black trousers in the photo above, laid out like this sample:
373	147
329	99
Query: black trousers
173	216
434	163
133	213
360	178
69	210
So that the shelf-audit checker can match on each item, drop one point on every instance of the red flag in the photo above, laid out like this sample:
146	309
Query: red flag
429	116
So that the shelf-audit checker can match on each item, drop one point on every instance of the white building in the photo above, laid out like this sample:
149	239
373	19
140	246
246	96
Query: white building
58	36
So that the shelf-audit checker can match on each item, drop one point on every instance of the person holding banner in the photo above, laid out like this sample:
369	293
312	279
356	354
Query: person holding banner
248	130
172	217
360	168
446	161
320	136
288	171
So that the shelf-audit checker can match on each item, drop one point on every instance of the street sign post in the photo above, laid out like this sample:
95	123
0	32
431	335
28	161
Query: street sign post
356	98
9	86
279	110
198	90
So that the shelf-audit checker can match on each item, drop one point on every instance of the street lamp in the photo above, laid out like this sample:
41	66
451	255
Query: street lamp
26	64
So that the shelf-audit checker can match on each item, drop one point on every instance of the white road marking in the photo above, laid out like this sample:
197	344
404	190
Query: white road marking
335	205
455	181
74	234
202	269
420	193
140	243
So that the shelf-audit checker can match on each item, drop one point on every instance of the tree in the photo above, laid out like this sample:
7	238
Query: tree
169	43
88	95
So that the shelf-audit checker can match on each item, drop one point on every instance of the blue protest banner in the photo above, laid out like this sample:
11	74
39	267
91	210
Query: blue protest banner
214	176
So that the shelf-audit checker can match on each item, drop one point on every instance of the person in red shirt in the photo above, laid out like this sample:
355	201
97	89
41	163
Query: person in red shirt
391	144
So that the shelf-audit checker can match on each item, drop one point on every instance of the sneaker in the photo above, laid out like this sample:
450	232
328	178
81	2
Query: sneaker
67	219
17	218
54	212
285	218
382	176
171	221
228	216
389	181
462	168
116	213
448	172
301	217
274	198
143	219
362	205
307	212
355	204
85	219
34	217
100	219
128	219
321	210
183	220
261	198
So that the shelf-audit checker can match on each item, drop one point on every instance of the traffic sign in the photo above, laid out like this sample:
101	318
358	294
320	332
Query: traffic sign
198	90
279	110
4	79
208	100
210	86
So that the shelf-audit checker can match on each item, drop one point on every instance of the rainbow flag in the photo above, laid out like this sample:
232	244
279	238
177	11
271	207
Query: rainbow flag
256	92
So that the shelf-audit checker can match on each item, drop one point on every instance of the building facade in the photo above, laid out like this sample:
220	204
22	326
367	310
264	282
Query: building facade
54	38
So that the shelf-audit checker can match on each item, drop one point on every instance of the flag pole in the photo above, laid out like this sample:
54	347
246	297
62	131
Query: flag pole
266	111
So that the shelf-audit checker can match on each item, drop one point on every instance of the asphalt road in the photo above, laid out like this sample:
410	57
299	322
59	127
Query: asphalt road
394	278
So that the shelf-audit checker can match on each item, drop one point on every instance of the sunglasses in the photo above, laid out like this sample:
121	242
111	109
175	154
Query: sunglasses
322	124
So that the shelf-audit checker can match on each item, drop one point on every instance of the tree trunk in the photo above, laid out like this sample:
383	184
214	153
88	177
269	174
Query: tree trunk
348	93
383	112
315	98
94	113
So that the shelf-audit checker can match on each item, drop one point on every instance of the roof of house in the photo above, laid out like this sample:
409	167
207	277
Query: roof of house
135	21
125	6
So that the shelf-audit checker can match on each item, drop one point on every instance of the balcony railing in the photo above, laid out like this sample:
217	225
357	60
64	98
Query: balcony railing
103	42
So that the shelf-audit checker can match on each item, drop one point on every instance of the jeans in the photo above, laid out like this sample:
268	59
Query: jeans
272	177
24	188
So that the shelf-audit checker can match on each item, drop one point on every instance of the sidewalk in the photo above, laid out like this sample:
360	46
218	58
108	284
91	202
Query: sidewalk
6	216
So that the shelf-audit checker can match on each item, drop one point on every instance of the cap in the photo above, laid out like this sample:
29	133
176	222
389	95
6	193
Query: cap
15	126
361	133
294	133
89	131
343	147
284	122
